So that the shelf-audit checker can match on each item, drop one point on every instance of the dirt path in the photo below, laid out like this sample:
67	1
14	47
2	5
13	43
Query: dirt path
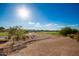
56	46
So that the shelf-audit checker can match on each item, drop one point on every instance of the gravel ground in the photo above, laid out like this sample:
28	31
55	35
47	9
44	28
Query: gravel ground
54	46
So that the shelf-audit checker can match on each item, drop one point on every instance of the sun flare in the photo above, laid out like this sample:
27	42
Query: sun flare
23	13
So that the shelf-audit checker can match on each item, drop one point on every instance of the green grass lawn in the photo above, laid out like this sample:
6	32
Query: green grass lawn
53	33
3	34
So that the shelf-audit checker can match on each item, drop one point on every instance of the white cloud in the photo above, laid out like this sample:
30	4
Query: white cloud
55	24
31	23
38	25
61	26
74	25
48	24
51	24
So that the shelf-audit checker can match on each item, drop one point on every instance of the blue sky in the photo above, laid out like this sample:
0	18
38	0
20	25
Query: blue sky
42	16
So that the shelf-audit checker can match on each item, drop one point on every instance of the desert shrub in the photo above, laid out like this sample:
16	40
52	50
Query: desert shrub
9	36
74	31
71	35
76	36
2	29
66	31
24	37
17	32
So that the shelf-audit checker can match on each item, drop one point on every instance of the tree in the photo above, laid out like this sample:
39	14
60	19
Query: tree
2	29
65	31
74	31
17	32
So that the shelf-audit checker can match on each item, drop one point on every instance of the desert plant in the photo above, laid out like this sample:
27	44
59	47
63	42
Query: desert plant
74	31
76	36
17	32
2	29
66	31
71	36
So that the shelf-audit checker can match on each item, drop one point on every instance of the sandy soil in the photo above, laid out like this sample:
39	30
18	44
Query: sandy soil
54	46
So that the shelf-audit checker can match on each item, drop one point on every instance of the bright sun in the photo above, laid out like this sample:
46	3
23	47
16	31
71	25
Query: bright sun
23	13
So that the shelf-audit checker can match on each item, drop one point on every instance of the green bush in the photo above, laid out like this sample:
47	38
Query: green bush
17	32
74	31
66	31
2	29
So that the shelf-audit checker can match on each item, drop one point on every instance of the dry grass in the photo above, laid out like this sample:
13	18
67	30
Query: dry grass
3	34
